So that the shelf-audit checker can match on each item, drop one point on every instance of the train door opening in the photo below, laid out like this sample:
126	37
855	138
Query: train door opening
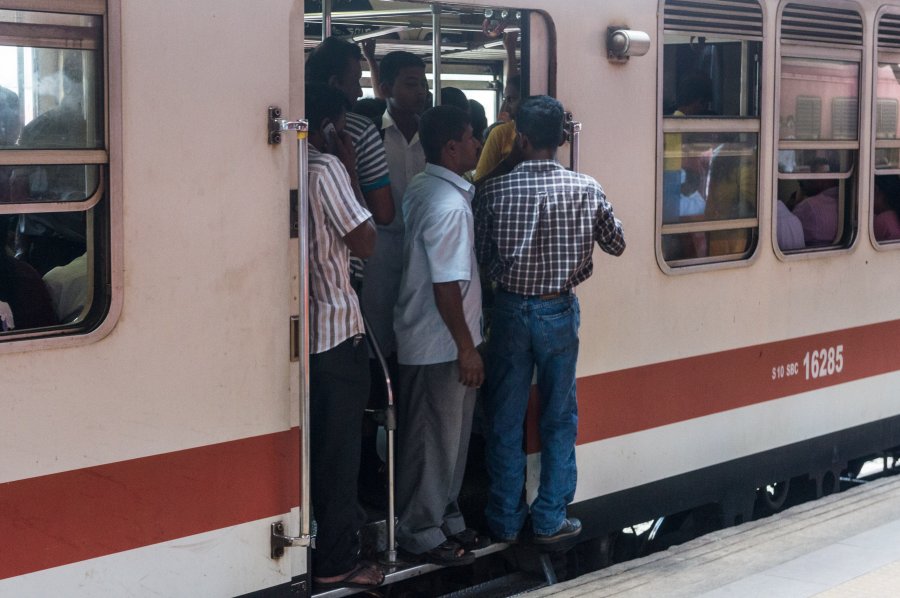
471	54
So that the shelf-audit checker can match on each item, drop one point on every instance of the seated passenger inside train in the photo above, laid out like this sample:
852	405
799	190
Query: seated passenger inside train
886	206
818	212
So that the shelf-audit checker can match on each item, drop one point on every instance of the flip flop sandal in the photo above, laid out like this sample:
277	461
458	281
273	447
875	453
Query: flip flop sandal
347	580
470	539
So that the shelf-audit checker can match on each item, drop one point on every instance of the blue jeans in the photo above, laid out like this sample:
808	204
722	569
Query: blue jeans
528	332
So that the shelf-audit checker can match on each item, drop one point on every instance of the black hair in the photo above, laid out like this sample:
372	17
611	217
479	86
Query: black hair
330	58
439	125
323	101
889	184
393	62
479	119
453	96
541	118
694	87
371	108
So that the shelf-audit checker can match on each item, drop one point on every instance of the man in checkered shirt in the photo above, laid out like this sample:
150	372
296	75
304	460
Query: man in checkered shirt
534	232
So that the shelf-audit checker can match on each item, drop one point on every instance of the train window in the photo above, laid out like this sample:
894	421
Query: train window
54	214
885	214
818	129
710	108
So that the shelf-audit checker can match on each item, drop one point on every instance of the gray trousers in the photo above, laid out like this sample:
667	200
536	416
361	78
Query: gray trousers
435	421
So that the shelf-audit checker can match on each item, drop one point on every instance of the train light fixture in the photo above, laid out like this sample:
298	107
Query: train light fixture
623	43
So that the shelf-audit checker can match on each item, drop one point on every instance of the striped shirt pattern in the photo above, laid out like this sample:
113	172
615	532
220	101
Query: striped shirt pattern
371	163
535	228
334	211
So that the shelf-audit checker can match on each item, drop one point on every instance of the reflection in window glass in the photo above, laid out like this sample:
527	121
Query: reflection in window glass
48	182
709	76
710	177
45	273
53	266
888	93
717	177
815	205
819	99
725	244
886	187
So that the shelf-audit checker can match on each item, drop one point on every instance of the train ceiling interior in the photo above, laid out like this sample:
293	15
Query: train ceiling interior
469	35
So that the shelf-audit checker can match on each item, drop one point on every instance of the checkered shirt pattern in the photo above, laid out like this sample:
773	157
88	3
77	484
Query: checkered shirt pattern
535	228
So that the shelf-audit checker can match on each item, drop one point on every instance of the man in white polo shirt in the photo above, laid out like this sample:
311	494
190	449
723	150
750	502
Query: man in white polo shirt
437	322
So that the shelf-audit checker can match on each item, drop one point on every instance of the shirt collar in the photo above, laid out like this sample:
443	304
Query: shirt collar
538	166
387	121
451	177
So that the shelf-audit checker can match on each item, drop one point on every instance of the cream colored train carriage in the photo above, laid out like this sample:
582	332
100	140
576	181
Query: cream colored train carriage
151	401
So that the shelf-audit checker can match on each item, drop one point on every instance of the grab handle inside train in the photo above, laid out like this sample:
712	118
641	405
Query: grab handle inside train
572	132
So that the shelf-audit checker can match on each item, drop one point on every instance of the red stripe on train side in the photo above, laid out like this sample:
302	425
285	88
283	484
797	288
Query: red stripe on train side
72	516
63	518
640	398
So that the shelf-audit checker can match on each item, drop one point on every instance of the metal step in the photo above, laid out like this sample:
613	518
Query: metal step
402	572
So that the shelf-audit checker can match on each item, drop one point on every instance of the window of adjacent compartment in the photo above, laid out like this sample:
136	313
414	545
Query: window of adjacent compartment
885	201
818	129
710	104
53	166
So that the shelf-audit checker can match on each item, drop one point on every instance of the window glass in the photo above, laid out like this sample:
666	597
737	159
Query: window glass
886	184
52	117
707	76
819	109
718	176
45	270
819	100
49	182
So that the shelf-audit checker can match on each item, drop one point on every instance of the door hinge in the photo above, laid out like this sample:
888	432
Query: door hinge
277	125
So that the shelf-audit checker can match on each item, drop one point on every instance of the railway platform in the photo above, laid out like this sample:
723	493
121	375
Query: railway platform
843	545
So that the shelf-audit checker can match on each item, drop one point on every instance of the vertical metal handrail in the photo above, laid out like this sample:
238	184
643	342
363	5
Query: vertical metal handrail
277	125
303	239
390	425
326	19
436	53
573	133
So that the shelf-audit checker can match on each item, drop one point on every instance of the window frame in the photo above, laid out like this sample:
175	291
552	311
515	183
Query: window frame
717	124
828	51
888	55
110	182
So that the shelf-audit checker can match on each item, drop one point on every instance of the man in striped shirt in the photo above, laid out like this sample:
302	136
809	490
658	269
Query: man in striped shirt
336	63
534	234
338	363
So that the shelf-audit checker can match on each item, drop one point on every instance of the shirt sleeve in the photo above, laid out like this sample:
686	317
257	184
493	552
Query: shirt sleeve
447	238
338	201
493	152
371	163
482	229
607	228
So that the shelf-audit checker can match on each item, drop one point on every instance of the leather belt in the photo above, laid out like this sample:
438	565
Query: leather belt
543	297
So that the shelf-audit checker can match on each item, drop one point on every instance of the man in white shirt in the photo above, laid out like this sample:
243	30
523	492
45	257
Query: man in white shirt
438	325
404	86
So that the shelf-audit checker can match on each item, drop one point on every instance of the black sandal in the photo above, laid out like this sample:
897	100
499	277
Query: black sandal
446	554
470	539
